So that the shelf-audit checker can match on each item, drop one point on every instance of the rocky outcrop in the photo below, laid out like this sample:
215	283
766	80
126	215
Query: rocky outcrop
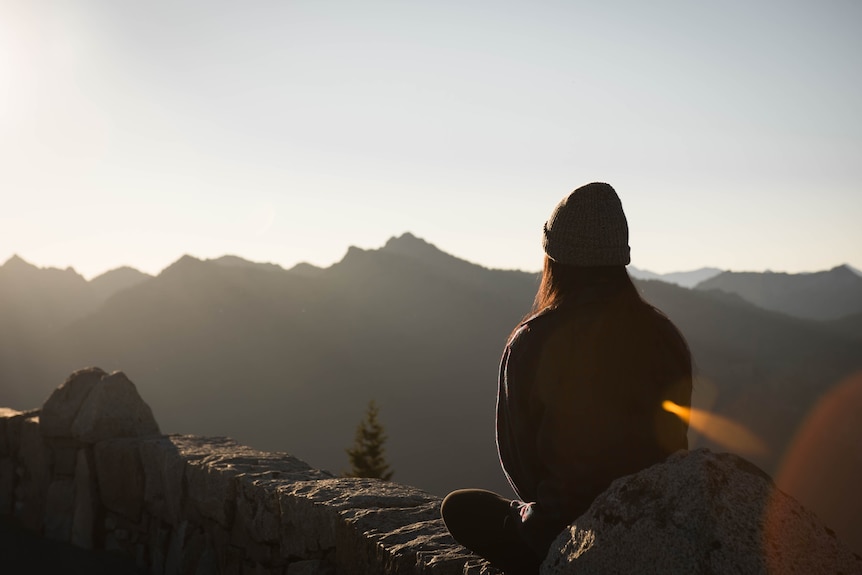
93	405
698	512
91	468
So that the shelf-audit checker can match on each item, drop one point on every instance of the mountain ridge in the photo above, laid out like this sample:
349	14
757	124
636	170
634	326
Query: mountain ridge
826	295
682	278
411	245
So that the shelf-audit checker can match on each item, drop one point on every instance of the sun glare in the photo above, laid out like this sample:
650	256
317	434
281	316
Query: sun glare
723	431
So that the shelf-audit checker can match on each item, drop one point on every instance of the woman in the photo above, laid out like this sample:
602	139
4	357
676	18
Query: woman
582	381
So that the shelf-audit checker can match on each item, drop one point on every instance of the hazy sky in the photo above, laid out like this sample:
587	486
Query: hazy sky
133	132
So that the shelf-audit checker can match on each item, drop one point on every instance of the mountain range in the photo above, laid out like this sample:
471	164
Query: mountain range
287	360
832	294
685	279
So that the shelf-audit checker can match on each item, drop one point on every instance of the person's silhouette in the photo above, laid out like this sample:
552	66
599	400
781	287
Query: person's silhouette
581	386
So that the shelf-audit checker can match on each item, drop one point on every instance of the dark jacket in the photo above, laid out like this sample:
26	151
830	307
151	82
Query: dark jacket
580	404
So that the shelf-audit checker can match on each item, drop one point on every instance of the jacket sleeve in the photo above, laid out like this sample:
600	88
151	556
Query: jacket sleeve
519	417
519	414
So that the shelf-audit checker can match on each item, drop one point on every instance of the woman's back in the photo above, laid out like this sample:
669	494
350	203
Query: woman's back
583	390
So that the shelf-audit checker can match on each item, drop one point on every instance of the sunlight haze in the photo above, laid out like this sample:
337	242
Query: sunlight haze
133	133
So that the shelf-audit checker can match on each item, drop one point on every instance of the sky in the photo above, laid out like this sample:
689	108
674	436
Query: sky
132	133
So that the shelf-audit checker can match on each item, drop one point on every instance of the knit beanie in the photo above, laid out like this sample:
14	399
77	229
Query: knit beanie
588	228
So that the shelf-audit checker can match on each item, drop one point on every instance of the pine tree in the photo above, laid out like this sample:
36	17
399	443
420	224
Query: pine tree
366	455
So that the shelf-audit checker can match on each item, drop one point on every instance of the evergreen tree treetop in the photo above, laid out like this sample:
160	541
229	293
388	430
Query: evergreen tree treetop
367	457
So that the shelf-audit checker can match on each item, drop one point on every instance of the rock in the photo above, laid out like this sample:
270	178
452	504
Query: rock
174	557
7	485
113	409
374	527
13	422
64	457
100	478
698	512
5	415
64	403
36	477
164	470
121	476
84	518
310	567
216	467
59	509
92	406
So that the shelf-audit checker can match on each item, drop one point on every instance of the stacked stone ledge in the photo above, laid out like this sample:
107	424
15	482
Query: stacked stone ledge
92	468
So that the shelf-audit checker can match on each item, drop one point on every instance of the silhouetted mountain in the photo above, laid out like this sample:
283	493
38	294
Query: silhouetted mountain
766	368
305	269
821	295
34	303
49	297
640	274
850	326
691	278
687	279
286	360
268	356
235	261
113	281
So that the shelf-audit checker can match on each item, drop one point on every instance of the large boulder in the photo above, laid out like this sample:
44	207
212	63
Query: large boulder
65	402
698	512
92	406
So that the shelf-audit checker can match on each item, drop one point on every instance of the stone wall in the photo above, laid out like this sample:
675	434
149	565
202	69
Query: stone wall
77	471
91	468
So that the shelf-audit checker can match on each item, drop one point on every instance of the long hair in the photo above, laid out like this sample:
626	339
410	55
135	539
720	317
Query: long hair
561	283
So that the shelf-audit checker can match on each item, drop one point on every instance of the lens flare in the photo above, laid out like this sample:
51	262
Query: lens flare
823	465
719	429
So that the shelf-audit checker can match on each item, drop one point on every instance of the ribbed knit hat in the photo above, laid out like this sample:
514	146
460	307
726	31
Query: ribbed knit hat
588	228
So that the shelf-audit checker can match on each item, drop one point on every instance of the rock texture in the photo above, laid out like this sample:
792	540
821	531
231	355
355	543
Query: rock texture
90	469
699	512
93	405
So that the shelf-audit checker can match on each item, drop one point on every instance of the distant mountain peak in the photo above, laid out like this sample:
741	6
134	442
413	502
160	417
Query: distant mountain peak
404	245
231	260
686	279
354	251
187	259
305	269
17	262
117	280
409	245
238	262
844	269
122	271
824	295
185	262
18	265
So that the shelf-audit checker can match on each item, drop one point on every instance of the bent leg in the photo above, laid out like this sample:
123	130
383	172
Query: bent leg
484	522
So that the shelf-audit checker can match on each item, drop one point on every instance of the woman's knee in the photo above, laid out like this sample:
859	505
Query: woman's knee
457	498
470	506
